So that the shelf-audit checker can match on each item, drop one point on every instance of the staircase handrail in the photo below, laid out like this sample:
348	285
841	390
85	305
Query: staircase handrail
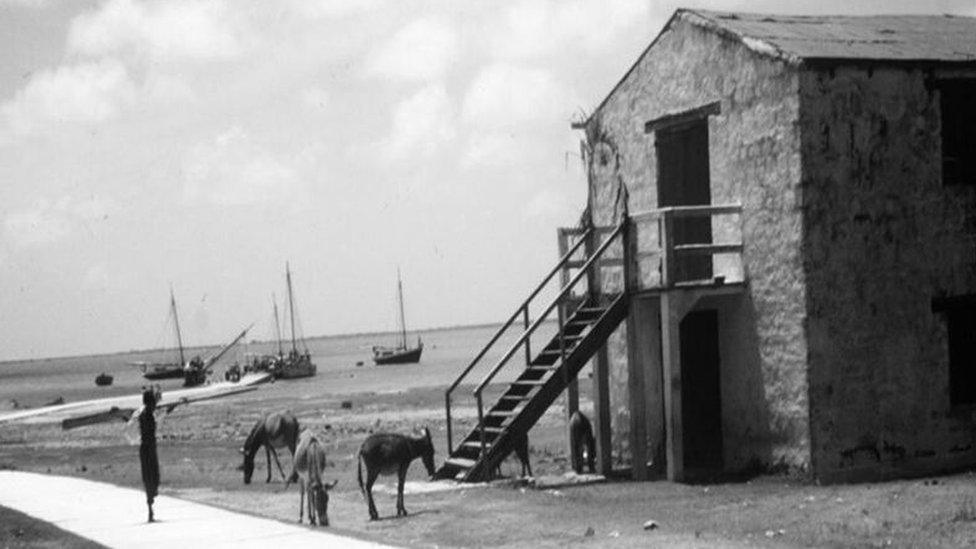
522	309
555	302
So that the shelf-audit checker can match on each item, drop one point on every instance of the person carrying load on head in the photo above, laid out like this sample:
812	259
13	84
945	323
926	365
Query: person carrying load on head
148	459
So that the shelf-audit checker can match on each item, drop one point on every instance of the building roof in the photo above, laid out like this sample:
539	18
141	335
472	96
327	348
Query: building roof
930	38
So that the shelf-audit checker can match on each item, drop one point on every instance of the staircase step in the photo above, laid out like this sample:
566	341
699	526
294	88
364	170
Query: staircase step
503	413
461	462
475	444
530	382
516	398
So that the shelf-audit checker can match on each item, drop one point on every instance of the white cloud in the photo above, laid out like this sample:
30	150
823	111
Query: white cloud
231	169
85	93
328	9
179	29
316	98
421	51
422	124
549	206
505	109
506	96
48	222
537	28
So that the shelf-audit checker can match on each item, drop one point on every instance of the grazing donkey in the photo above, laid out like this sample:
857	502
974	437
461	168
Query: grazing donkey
275	430
307	467
581	432
520	446
385	454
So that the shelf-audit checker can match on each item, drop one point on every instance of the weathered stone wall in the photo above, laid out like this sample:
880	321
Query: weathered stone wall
755	160
882	237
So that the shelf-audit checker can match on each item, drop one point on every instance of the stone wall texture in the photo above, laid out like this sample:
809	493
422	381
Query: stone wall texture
754	150
882	236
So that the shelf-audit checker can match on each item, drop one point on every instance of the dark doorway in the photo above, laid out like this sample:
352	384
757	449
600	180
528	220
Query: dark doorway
683	180
701	399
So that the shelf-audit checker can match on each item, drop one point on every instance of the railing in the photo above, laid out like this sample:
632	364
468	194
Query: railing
670	252
523	311
591	263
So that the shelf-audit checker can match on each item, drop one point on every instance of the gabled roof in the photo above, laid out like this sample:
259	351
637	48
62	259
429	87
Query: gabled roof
825	39
931	38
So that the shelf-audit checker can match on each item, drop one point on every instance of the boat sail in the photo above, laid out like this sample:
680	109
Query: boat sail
296	363
166	370
401	354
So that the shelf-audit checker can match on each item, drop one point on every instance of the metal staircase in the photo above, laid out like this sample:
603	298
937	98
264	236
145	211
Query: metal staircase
583	326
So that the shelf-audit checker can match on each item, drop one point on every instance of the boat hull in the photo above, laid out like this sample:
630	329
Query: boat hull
383	356
163	371
294	367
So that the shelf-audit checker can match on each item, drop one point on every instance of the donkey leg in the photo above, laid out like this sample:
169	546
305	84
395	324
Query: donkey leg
370	479
280	470
401	477
301	502
267	457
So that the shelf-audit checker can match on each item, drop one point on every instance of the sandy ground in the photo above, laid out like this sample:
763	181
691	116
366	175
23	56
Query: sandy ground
199	456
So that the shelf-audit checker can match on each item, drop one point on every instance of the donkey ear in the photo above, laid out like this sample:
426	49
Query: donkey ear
427	432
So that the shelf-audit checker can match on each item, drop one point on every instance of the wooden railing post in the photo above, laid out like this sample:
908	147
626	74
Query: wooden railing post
668	260
572	386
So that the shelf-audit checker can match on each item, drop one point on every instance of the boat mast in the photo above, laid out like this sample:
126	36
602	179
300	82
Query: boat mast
274	302
291	307
176	323
403	324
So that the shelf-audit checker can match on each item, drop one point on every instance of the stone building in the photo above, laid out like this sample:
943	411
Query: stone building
801	193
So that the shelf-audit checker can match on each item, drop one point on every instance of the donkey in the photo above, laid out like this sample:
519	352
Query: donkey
307	467
584	445
385	454
275	430
520	446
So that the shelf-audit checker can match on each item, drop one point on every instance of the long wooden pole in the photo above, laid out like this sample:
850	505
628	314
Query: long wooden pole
274	302
176	322
291	307
403	324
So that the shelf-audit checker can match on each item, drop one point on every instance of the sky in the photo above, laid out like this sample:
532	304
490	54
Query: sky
202	144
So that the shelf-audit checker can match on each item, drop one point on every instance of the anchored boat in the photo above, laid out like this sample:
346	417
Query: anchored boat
296	363
401	354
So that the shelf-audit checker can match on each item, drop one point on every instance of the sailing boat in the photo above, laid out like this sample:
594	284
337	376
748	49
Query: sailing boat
401	354
196	371
266	362
295	363
166	370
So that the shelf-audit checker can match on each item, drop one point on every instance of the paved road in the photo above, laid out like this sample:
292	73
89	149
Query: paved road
115	516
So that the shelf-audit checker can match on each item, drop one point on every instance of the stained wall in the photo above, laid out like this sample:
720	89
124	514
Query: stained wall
882	237
754	151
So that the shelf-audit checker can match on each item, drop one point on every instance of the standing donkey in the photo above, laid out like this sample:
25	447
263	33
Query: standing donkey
385	454
584	445
275	430
307	467
520	446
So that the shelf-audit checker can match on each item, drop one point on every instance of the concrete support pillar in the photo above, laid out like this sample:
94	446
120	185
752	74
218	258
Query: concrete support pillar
675	304
601	409
639	336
